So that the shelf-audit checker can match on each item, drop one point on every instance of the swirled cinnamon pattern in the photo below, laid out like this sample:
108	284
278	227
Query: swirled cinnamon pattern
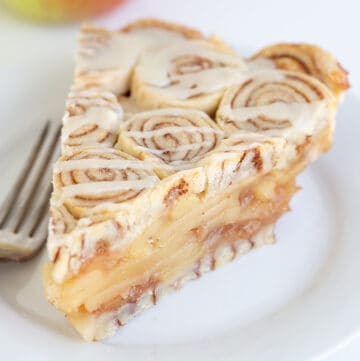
307	59
93	176
187	74
80	99
106	58
172	138
92	119
61	220
277	103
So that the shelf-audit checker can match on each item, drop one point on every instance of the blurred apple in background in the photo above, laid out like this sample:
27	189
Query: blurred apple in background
61	10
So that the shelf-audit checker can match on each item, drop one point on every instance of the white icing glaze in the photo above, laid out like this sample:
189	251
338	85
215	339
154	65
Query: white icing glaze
180	148
90	93
207	81
304	117
248	136
185	164
102	117
113	80
107	186
76	164
168	130
103	151
97	103
240	147
154	67
111	58
171	112
121	50
95	99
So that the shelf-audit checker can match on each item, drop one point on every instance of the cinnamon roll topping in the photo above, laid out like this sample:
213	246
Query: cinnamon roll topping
277	103
172	138
92	176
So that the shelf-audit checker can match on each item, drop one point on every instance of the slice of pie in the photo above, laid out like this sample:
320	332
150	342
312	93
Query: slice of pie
178	156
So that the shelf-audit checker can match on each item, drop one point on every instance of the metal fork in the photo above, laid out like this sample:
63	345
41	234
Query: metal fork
24	213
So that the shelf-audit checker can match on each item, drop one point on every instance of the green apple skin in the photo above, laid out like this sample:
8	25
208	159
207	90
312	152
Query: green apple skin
61	10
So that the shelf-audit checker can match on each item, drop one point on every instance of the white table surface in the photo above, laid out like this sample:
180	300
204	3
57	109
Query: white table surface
247	25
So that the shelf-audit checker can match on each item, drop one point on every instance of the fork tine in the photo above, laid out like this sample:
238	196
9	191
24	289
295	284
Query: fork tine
41	196
14	192
41	230
42	215
28	190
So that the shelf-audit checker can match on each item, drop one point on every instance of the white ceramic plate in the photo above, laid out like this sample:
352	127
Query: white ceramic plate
296	300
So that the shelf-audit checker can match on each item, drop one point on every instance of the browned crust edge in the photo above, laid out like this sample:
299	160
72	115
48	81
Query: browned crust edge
187	32
320	59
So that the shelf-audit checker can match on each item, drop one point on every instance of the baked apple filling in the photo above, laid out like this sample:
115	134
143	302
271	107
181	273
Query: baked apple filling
189	234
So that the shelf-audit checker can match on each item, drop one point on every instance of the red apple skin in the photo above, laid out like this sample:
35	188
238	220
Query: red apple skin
62	10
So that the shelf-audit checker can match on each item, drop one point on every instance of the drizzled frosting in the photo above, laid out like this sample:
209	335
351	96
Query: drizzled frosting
118	52
118	49
307	59
96	188
100	163
96	126
91	176
188	69
172	138
276	103
169	130
80	99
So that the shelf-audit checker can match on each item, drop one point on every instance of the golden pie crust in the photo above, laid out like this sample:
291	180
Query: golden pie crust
177	156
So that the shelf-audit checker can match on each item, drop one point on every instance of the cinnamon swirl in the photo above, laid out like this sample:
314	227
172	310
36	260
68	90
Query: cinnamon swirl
92	177
105	59
308	59
280	103
188	75
92	118
172	138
